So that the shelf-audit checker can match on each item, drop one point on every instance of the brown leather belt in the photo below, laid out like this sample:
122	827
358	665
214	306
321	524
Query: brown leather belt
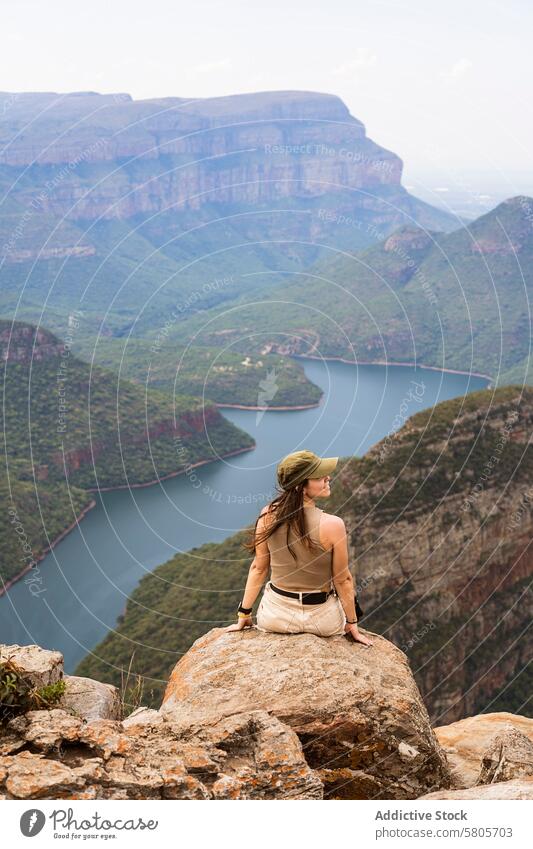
306	598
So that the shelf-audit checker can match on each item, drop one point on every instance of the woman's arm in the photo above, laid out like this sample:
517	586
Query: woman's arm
342	577
343	580
257	575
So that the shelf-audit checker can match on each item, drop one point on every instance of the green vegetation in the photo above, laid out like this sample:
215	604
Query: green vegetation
18	694
137	273
213	374
425	461
457	300
35	513
70	428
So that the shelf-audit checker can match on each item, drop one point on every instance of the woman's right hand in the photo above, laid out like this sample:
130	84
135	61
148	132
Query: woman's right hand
241	623
359	638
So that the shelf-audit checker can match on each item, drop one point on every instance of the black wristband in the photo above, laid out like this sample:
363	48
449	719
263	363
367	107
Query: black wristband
348	622
242	609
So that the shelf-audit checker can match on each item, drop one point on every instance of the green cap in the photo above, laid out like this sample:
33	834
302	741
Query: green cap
301	465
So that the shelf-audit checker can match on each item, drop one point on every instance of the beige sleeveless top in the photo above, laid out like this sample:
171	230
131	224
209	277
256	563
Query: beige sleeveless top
311	571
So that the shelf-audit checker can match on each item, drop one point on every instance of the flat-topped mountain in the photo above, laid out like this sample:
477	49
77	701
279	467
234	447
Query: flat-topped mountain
242	149
166	195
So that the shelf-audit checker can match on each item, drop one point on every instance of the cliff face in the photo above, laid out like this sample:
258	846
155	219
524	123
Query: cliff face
440	522
107	155
23	343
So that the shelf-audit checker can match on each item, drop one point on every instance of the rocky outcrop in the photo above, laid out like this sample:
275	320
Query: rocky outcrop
466	742
25	343
348	723
509	756
41	667
80	749
50	754
356	710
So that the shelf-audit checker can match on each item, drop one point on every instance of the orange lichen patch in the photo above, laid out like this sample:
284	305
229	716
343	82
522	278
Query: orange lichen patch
106	737
227	787
34	776
184	787
197	758
177	772
89	793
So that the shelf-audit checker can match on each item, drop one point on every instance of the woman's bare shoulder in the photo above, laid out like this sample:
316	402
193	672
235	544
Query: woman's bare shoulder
332	519
266	514
332	525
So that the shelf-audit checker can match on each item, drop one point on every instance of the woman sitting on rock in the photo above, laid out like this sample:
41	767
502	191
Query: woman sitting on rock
311	588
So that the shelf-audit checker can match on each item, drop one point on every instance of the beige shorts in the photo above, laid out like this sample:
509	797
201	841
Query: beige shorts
286	615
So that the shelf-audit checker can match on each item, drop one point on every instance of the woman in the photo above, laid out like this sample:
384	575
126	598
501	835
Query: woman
311	588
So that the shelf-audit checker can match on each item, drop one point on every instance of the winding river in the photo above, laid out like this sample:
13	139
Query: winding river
87	578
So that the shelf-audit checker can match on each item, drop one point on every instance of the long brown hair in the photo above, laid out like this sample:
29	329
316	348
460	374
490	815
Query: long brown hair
286	508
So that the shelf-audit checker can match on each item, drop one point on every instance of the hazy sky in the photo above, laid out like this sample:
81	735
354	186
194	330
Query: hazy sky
445	85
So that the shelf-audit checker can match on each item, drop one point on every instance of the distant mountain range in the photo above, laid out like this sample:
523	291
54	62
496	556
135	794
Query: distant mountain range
457	300
261	224
127	209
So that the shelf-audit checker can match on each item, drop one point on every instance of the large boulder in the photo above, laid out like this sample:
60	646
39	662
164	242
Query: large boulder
251	755
356	710
466	741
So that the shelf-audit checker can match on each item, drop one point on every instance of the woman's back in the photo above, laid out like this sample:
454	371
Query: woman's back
311	570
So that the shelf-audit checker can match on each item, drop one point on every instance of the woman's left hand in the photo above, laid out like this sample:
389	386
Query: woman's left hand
242	622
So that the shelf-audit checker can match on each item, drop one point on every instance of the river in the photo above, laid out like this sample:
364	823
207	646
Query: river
87	578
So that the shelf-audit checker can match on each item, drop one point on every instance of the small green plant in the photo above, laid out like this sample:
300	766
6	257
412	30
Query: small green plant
131	695
18	695
49	695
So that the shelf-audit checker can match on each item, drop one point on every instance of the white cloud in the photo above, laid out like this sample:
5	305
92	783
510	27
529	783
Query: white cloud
209	67
457	70
364	58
